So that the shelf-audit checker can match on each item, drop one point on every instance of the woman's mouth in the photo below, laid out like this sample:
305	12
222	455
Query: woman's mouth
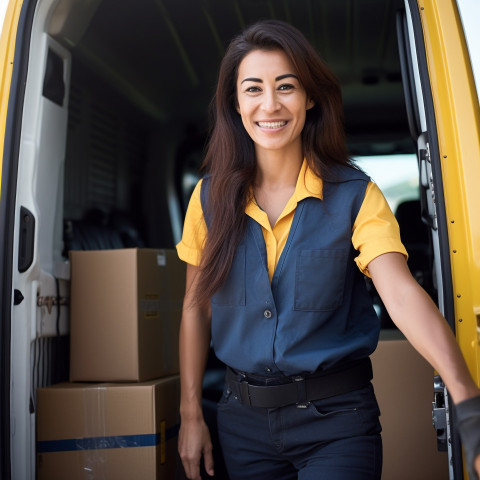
272	125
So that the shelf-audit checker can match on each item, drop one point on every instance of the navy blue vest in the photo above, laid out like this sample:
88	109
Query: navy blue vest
316	312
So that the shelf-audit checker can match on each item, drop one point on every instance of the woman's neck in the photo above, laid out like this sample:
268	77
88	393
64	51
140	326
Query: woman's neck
277	170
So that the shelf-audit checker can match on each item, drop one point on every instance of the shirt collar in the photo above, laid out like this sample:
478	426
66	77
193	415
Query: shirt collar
308	184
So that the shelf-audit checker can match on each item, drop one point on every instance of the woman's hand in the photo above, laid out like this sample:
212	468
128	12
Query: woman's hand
193	444
468	422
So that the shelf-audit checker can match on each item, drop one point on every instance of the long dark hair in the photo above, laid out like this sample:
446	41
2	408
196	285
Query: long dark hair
230	157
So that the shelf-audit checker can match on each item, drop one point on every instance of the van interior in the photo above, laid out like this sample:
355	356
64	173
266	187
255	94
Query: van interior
115	122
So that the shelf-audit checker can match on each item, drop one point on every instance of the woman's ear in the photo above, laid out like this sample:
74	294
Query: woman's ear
310	104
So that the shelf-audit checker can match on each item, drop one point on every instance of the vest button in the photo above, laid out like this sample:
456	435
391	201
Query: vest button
268	369
267	314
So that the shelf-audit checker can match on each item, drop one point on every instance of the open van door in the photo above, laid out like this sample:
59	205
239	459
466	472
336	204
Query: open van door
439	58
9	19
28	285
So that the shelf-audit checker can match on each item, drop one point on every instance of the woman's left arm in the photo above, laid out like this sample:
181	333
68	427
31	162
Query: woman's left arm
418	318
416	315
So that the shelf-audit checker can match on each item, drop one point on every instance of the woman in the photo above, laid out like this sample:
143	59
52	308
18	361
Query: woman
277	239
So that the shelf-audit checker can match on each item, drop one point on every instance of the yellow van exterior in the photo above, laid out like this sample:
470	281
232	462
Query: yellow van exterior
7	51
457	114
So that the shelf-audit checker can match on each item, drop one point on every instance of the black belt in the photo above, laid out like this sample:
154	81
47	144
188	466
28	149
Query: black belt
301	389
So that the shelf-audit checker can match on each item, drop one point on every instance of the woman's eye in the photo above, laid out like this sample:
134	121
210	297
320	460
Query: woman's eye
286	86
253	89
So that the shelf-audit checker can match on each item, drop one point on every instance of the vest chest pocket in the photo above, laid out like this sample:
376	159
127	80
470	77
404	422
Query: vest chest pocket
320	279
233	291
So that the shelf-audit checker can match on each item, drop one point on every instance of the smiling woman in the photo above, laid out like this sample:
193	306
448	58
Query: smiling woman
310	353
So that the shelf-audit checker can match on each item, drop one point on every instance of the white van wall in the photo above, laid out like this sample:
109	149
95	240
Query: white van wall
41	159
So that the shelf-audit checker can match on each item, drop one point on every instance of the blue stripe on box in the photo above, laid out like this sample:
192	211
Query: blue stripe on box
99	443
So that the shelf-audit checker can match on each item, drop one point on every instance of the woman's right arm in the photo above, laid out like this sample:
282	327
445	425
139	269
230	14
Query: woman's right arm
194	438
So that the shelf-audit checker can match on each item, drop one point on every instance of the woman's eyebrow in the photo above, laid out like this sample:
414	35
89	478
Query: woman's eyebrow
286	75
259	80
252	79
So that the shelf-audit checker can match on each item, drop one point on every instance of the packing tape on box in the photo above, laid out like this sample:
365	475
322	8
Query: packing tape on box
118	441
96	438
95	427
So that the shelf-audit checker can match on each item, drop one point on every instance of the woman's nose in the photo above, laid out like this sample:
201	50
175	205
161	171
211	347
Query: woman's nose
270	102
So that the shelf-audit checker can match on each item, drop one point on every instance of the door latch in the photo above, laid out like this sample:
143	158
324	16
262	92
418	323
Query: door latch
439	413
51	301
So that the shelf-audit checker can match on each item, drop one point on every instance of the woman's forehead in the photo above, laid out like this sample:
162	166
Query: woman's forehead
259	63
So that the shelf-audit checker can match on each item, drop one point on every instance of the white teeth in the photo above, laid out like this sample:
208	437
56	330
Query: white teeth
271	124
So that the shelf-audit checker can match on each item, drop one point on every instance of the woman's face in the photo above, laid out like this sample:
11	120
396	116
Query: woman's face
271	101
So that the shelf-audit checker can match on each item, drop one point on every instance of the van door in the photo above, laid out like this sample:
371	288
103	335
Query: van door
31	196
11	99
443	111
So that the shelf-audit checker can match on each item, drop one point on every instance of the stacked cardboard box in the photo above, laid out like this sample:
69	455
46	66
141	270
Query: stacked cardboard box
125	315
108	431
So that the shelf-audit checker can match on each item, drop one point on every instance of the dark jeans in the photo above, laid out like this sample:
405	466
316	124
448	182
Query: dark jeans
337	438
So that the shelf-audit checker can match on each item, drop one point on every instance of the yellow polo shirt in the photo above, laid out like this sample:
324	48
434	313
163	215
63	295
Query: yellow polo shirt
374	232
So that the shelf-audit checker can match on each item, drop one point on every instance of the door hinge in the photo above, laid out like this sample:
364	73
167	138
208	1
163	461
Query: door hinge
429	208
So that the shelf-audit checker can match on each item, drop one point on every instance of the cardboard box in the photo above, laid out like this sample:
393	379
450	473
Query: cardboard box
403	383
125	314
108	431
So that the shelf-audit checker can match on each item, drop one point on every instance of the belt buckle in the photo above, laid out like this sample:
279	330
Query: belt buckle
301	383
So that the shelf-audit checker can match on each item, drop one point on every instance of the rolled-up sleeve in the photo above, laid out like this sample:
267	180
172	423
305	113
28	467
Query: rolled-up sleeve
375	230
190	247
